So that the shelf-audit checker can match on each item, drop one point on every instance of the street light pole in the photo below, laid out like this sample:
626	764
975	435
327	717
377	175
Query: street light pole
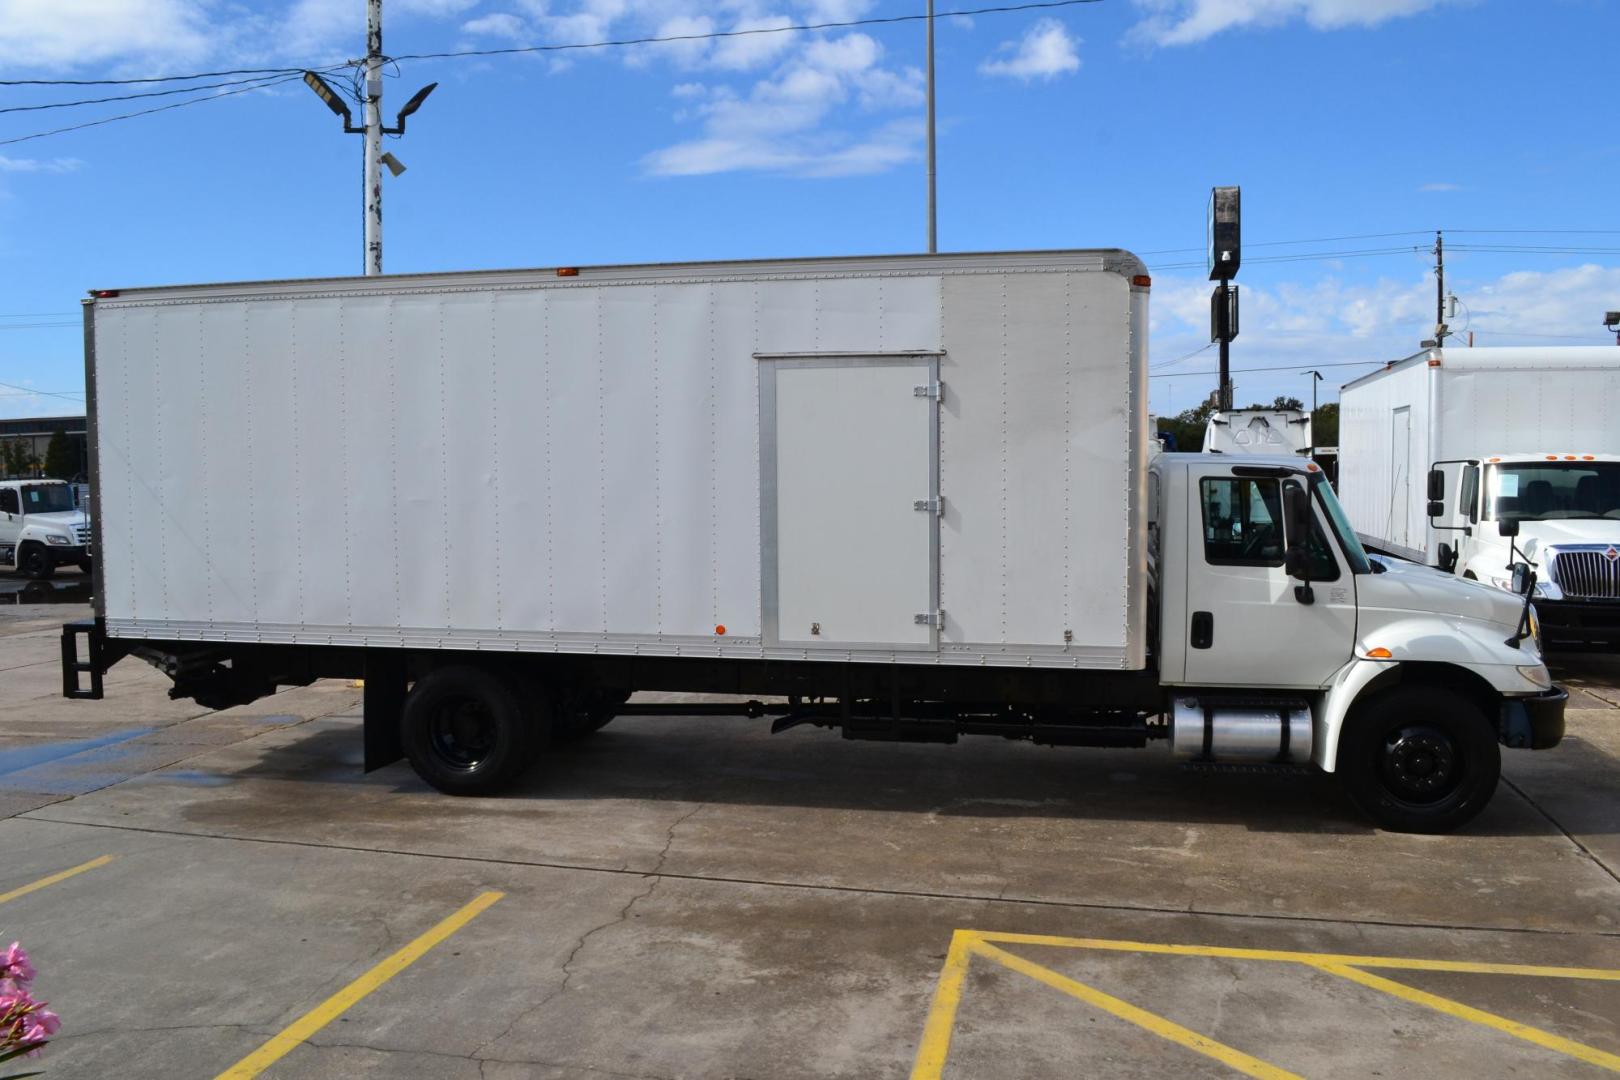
373	130
933	227
1316	377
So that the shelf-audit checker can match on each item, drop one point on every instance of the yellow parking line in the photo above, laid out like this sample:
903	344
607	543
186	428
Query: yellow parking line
936	1040
1315	959
1580	1051
334	1006
54	878
1158	1025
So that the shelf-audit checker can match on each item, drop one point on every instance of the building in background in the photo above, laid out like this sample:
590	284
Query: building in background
25	447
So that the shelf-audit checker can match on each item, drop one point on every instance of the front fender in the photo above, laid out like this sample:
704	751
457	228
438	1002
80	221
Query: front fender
1480	647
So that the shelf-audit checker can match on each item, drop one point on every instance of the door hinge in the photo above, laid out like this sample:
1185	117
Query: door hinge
930	506
935	390
936	618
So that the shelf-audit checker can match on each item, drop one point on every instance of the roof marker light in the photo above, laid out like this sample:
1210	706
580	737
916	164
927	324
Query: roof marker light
1141	281
568	271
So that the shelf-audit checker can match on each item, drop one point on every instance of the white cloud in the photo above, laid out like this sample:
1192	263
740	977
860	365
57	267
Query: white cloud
752	50
1045	52
1182	22
1440	187
75	33
501	24
783	123
38	165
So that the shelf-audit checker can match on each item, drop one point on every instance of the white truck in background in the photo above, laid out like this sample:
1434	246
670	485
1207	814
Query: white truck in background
1441	450
42	528
912	496
1258	431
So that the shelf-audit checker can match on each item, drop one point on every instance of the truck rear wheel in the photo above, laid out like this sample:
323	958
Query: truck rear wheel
1419	759
466	731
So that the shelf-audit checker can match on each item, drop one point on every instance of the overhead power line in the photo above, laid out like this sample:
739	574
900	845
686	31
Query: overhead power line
259	85
843	24
1286	367
45	393
35	325
129	97
150	78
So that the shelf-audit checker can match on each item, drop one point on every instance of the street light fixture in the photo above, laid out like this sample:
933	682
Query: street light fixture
333	99
410	107
1611	323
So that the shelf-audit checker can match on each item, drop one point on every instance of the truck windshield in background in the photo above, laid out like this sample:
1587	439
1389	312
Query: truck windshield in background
47	498
1553	491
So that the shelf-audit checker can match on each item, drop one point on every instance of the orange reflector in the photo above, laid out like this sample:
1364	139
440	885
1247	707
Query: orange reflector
568	271
721	630
1569	457
1379	653
1313	467
1552	457
1588	457
1434	363
1495	459
103	294
1141	281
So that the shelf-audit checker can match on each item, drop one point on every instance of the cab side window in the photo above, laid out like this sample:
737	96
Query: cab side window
1242	521
1468	494
8	501
1243	526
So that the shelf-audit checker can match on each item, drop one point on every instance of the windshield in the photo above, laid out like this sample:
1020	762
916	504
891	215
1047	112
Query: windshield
1553	490
46	498
1354	553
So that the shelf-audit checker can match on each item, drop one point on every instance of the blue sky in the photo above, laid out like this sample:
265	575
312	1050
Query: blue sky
1100	124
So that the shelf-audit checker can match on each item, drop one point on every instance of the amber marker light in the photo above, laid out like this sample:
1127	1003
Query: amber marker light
720	631
1380	653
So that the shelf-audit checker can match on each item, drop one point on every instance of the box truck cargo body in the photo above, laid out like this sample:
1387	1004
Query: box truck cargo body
1440	449
1258	431
911	495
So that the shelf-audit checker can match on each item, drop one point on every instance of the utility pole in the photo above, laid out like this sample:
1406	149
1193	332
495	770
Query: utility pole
373	127
1440	329
933	228
1223	228
1316	377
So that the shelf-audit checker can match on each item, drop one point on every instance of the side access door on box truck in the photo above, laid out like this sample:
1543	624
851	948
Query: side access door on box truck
1246	622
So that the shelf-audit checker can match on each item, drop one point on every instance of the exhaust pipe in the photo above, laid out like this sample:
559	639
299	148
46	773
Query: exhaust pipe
1247	731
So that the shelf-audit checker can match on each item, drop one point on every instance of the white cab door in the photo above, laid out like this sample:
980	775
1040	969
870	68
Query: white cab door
849	531
1245	626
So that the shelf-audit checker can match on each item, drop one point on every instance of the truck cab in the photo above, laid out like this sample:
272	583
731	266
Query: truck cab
1280	638
42	528
1566	509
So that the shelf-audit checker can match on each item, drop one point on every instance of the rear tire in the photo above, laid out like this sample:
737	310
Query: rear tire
1420	759
467	731
35	562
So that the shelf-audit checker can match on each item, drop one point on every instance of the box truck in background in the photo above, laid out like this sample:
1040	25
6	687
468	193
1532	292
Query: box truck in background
1440	450
1258	431
42	528
911	495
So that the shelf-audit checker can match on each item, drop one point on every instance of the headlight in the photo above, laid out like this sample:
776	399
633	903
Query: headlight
1537	674
58	539
1535	632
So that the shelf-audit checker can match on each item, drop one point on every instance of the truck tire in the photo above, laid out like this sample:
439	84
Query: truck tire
466	730
1419	759
35	562
587	715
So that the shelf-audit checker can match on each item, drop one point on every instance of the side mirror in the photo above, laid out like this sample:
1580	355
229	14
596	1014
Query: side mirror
1437	487
1508	527
1297	560
1524	579
1436	508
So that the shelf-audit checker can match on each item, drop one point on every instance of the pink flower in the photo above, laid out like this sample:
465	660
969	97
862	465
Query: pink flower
40	1025
14	964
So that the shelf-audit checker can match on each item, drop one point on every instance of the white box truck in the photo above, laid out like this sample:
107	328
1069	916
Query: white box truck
910	495
42	528
1441	450
1258	431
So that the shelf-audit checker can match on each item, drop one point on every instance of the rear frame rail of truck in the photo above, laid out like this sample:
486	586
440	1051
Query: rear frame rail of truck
909	498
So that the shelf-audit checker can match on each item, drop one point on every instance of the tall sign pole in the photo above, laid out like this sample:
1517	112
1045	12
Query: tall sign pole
373	129
1224	233
933	227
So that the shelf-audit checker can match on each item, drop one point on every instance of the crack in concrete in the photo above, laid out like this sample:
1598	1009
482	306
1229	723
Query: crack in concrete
1555	823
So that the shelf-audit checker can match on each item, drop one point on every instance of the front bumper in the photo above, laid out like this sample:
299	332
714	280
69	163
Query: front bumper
1535	722
70	555
1580	623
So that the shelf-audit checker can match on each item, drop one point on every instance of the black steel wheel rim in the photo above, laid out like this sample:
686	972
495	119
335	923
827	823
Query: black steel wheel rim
1420	763
463	733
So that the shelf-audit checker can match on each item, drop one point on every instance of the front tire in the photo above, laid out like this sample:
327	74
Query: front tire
466	731
1420	759
35	562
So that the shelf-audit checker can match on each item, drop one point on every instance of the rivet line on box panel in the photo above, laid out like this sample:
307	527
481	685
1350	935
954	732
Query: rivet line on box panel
495	449
444	464
658	475
601	458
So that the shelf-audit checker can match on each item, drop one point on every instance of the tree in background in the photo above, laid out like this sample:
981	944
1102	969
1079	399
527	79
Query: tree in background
60	460
13	458
1325	424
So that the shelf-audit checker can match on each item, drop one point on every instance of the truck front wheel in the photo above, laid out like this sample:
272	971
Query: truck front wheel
1419	759
35	562
466	731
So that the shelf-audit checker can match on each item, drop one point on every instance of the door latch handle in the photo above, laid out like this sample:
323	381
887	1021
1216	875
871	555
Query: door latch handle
1203	630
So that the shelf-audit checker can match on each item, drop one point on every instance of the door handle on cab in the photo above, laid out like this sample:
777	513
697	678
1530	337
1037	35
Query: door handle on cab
1203	630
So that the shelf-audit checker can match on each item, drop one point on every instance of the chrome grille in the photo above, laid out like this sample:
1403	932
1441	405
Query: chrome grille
1589	574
